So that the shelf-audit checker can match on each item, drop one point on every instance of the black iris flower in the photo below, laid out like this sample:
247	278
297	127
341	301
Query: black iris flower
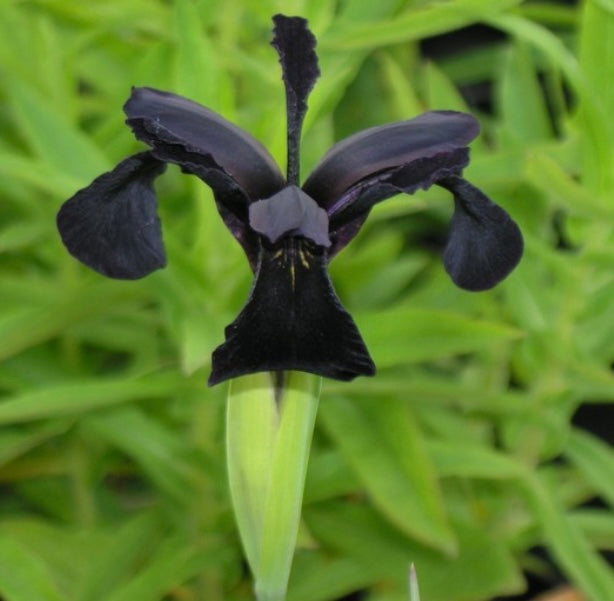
292	320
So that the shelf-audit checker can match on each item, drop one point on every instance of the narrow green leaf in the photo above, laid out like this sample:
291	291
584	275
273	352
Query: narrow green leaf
14	443
336	577
174	562
198	72
520	98
440	91
597	525
459	459
595	459
415	23
597	62
163	457
564	539
596	149
329	476
22	234
568	544
53	138
76	398
414	592
116	562
39	174
360	534
23	576
385	448
400	91
409	334
35	322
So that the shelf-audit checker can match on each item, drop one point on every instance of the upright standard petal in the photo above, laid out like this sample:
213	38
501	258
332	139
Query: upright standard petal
292	320
484	243
295	45
112	225
190	133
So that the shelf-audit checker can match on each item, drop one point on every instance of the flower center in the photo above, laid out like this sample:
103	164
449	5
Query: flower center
290	212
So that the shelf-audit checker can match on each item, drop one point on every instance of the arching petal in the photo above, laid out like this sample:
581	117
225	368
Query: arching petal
356	203
484	243
190	134
381	149
112	225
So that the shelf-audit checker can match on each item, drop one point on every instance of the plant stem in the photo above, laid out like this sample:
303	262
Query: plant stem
269	427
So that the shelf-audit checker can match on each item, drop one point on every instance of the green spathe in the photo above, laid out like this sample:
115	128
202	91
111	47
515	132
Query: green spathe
269	426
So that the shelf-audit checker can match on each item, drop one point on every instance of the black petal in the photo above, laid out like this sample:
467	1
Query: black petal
484	243
112	225
295	45
190	134
356	203
231	200
385	148
292	320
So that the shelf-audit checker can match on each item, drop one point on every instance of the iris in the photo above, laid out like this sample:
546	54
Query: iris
292	320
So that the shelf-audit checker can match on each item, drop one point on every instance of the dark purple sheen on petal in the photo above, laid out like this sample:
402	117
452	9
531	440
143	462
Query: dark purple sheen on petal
292	320
161	118
295	45
484	243
350	211
231	200
245	236
386	147
112	225
418	174
290	212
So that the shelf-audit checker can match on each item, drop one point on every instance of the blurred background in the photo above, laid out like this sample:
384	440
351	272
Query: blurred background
482	449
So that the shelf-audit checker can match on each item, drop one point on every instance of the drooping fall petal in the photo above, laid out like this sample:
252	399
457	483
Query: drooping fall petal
292	320
112	225
484	243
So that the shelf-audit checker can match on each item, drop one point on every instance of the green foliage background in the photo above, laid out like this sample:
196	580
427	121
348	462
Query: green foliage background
458	456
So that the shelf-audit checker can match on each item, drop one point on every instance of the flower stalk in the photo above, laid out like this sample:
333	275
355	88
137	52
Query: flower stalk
269	426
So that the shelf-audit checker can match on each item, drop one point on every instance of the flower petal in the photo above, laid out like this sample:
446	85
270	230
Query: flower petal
378	149
292	320
194	134
484	243
295	45
356	203
112	225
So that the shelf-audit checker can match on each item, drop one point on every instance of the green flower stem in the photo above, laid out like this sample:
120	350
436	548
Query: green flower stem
269	426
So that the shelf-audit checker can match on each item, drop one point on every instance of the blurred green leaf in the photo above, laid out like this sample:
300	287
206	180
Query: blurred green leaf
410	334
77	398
359	533
386	450
23	576
595	460
522	104
53	138
163	457
415	23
